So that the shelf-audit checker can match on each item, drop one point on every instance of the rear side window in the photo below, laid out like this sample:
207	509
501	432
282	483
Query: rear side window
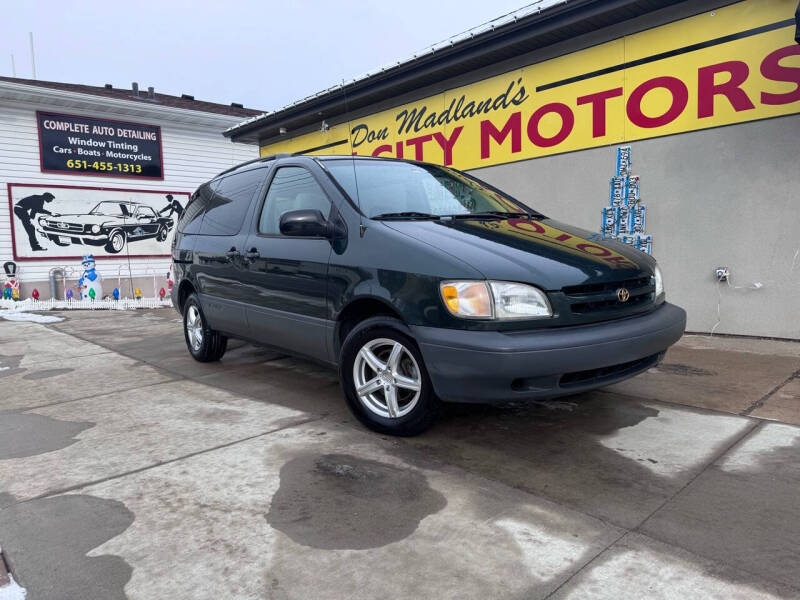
292	188
225	211
193	214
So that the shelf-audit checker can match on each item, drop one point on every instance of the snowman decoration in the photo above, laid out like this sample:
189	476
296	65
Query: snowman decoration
89	283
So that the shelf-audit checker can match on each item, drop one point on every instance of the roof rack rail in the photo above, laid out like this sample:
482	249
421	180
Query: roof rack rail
250	162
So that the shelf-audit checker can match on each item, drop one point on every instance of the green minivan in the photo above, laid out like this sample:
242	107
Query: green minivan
420	283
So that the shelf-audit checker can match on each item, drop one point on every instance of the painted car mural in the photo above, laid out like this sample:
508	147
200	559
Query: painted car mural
63	222
109	224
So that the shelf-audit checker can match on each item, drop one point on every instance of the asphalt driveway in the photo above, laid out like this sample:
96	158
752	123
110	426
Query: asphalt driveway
129	470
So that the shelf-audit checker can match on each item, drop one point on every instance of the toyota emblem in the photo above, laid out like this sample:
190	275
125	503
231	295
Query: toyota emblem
623	294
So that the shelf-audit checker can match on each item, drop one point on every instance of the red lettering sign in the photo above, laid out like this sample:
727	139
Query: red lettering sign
680	97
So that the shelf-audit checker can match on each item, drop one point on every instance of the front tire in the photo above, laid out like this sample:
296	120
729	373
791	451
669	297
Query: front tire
116	241
384	379
204	343
57	241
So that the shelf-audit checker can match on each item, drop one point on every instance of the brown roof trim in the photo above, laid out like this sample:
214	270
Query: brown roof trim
127	94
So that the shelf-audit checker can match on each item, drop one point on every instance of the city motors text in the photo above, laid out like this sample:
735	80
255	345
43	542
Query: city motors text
722	80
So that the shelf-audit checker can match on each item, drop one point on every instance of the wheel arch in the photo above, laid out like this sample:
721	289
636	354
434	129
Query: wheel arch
116	229
357	310
184	290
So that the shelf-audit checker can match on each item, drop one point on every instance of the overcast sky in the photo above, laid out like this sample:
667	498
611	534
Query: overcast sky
264	54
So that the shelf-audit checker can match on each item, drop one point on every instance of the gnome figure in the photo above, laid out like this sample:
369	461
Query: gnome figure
89	283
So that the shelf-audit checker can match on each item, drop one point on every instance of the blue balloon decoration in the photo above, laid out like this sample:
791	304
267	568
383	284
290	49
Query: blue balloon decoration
70	294
115	293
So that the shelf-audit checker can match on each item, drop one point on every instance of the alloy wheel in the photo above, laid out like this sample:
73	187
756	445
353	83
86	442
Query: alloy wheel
194	328
387	378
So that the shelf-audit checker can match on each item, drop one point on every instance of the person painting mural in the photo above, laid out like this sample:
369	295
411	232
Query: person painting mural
27	209
173	207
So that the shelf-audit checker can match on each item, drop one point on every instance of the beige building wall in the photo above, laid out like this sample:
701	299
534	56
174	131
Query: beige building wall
723	197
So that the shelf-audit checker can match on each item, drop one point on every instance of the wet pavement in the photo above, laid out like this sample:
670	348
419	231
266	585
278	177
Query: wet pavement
129	470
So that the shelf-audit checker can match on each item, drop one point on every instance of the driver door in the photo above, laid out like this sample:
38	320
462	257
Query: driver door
287	274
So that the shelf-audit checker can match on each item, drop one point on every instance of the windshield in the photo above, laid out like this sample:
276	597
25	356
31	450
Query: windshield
392	187
111	209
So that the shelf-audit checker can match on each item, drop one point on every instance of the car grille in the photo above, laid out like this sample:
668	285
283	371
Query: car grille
589	376
62	226
598	297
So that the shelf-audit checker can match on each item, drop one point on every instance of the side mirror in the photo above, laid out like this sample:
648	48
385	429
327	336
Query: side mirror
304	223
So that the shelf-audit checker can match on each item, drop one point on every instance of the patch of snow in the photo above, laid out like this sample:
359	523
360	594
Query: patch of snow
12	591
29	317
104	304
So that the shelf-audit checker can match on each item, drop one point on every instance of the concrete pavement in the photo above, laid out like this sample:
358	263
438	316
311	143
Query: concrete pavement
129	470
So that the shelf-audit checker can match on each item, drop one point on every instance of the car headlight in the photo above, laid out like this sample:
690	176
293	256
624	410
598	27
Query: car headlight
468	299
494	300
519	301
659	281
42	221
95	228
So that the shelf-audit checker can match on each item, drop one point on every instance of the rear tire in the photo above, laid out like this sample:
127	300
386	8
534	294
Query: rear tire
380	359
205	344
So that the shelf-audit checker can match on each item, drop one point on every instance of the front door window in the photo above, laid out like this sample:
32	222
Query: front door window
292	188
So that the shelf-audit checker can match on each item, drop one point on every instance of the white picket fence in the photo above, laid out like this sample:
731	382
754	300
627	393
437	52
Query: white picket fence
30	304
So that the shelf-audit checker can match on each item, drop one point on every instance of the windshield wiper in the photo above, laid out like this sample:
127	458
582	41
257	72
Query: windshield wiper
495	214
406	215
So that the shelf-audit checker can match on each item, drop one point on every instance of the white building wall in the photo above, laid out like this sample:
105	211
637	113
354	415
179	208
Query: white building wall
192	154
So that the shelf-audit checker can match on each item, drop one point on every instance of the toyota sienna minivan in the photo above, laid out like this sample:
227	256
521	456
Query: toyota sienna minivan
420	283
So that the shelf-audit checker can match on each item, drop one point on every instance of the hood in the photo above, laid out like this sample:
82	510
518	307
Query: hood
543	252
86	219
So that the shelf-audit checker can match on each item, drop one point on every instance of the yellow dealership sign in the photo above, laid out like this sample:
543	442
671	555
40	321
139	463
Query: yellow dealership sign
736	64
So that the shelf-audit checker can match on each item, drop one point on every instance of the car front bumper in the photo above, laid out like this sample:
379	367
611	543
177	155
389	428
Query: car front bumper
74	234
493	366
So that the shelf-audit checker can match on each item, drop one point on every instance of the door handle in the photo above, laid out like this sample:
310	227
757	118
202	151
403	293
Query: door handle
233	253
253	254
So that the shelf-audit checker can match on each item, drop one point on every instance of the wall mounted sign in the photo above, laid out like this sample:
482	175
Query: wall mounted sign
89	146
731	65
60	221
